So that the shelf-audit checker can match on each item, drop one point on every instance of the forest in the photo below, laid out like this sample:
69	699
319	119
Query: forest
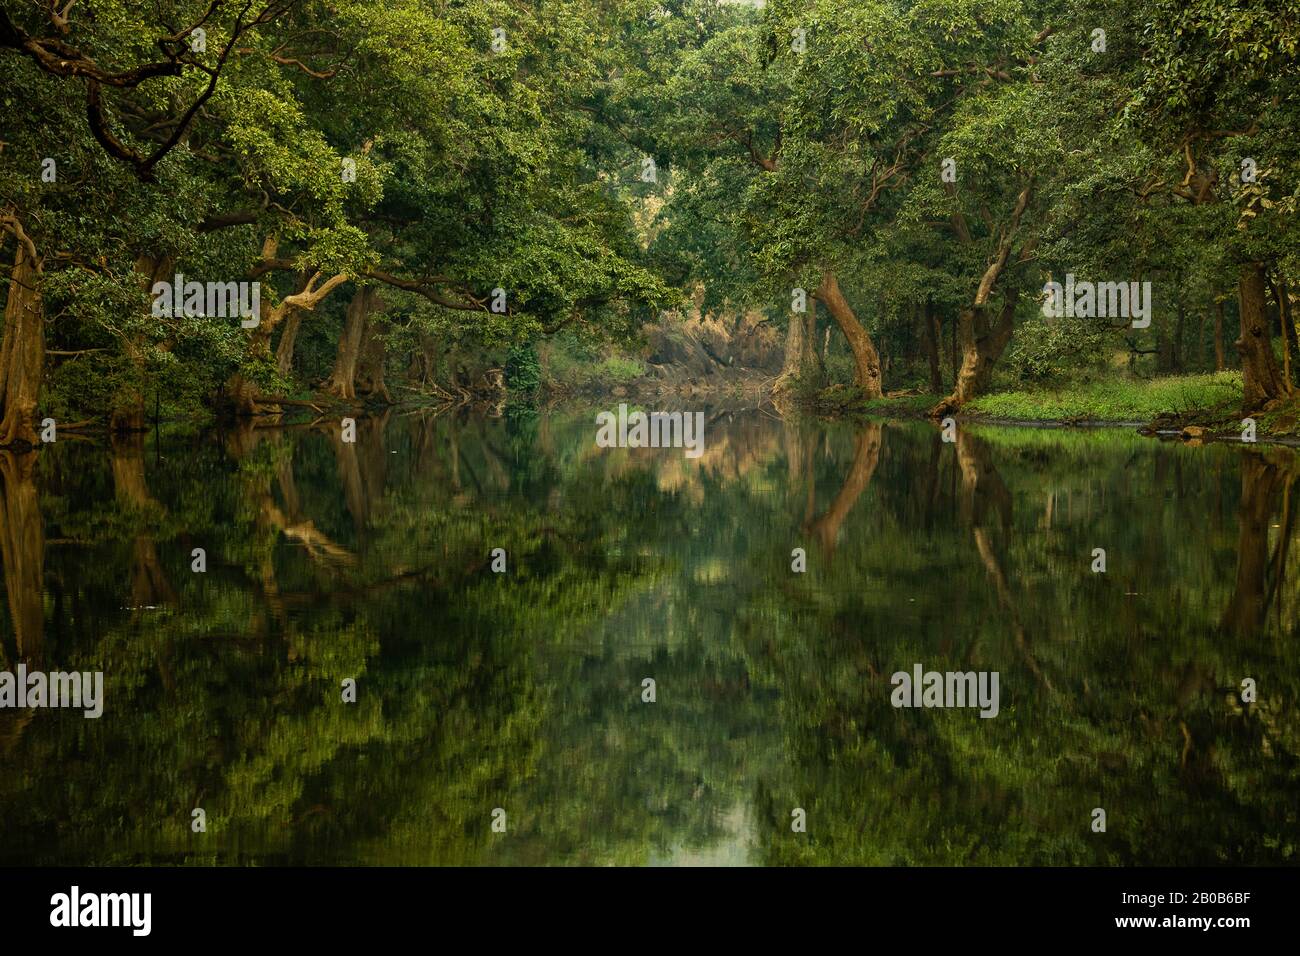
491	201
861	242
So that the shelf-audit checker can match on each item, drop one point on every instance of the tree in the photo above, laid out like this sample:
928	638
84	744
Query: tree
1216	92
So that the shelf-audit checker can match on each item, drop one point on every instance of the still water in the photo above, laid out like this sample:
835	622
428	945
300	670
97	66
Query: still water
520	696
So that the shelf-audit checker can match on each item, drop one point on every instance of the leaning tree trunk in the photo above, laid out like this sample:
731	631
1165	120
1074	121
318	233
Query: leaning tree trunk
826	528
242	393
22	351
985	504
866	361
981	347
1261	379
284	349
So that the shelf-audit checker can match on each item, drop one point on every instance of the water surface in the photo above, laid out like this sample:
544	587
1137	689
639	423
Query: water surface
522	690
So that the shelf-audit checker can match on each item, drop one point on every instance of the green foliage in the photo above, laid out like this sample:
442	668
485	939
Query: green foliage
390	143
1117	399
1049	350
347	139
523	372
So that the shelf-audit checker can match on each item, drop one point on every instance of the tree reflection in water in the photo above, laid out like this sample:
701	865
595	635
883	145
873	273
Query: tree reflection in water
330	560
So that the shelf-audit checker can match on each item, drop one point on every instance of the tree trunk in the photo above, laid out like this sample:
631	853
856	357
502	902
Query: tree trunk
1286	343
1262	481
22	546
284	350
1261	380
149	584
1288	318
796	347
985	504
802	364
981	347
1180	327
22	351
1281	297
127	414
1219	365
342	380
1200	340
240	390
930	336
370	367
866	361
826	528
1164	346
954	349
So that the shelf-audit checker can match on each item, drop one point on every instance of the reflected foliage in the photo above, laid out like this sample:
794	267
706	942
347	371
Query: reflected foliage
329	560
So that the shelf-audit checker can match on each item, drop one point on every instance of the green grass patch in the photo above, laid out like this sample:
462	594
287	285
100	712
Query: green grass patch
1206	398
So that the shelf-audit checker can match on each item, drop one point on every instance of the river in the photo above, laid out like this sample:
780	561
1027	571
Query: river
503	711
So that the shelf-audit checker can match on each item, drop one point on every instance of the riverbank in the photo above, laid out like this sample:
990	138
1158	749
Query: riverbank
1204	406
